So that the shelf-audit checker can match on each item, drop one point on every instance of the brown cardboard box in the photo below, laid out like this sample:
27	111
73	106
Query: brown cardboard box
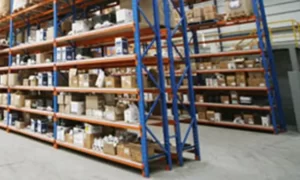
87	80
129	82
92	102
69	138
89	140
112	82
18	100
61	108
223	65
225	99
20	124
198	12
33	82
250	63
210	16
73	78
241	79
222	82
230	80
123	151
208	65
201	66
41	57
210	115
67	109
202	115
61	98
248	118
109	149
136	154
199	98
209	9
28	103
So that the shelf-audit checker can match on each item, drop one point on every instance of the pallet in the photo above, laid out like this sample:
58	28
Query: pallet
238	15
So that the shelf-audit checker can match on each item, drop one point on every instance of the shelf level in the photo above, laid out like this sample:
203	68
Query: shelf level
2	125
230	70
86	119
34	66
233	125
32	88
98	90
31	134
235	106
234	88
32	111
230	53
116	159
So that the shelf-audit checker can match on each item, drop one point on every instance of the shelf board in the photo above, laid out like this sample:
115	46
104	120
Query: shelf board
3	106
233	88
3	87
116	159
2	125
98	90
32	111
115	30
235	106
92	120
33	47
34	66
33	88
230	53
222	23
240	126
4	68
230	70
31	134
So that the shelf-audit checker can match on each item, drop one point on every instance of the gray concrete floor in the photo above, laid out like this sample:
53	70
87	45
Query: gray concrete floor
227	155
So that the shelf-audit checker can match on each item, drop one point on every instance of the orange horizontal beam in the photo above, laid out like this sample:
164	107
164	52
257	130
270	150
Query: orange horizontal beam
98	90
234	106
230	53
231	88
32	88
230	70
32	111
31	134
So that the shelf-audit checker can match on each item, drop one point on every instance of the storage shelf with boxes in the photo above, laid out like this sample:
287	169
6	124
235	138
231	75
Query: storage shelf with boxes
87	84
236	87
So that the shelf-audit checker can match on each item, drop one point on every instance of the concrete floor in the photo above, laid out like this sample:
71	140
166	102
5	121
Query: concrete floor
227	155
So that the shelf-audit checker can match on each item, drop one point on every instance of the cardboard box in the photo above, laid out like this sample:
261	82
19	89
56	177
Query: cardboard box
248	118
230	80
136	154
89	141
92	102
112	82
114	113
42	57
67	109
68	99
69	138
109	149
33	81
249	63
124	16
28	103
25	82
78	136
4	79
13	79
61	108
199	98
209	9
61	98
50	33
123	151
241	79
208	65
20	124
17	100
73	78
202	115
77	107
87	80
128	82
210	115
223	65
225	99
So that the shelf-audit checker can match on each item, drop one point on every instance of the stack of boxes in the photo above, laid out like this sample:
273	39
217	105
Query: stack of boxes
210	12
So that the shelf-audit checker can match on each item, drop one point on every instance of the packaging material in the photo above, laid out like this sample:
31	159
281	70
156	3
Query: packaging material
121	46
123	150
19	4
225	99
256	79
87	80
50	33
249	63
248	118
73	78
61	98
199	98
69	137
265	121
20	124
17	100
210	12
26	82
124	16
234	97
230	80
114	113
28	103
13	79
109	149
92	102
202	113
78	136
43	58
80	26
136	154
112	82
77	107
131	115
4	7
92	129
128	82
221	80
210	115
241	79
218	117
42	126
100	79
61	132
4	79
238	8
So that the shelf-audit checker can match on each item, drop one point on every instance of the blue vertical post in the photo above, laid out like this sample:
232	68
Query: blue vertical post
190	81
265	63
272	65
55	105
173	84
10	58
196	51
139	74
162	87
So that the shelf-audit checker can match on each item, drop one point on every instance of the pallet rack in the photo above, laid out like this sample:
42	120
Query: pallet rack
268	68
136	33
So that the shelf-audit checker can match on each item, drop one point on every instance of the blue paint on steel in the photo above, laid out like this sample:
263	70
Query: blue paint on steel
139	73
156	139
265	63
153	107
147	47
162	88
273	66
156	156
147	20
55	102
151	77
182	77
173	83
190	81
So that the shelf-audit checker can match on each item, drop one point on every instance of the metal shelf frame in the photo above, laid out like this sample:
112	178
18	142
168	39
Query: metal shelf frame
265	51
140	60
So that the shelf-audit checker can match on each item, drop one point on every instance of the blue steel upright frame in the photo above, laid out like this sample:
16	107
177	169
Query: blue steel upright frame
137	11
268	63
180	144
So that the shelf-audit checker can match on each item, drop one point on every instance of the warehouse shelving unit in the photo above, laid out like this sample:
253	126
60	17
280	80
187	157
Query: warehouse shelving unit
136	33
268	68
